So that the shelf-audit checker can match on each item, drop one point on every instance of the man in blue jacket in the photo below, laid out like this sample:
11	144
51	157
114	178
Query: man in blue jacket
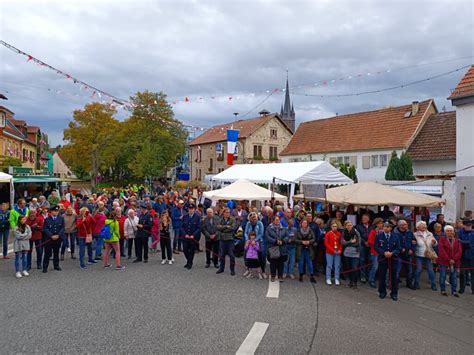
408	248
192	232
177	215
466	236
53	232
387	245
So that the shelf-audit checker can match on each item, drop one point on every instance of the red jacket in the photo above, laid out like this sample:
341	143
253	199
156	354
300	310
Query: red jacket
121	226
99	223
84	226
371	240
36	231
331	241
447	253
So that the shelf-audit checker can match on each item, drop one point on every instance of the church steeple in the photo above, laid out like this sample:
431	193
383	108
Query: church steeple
287	113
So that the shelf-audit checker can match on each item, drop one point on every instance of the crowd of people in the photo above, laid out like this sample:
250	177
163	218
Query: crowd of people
295	242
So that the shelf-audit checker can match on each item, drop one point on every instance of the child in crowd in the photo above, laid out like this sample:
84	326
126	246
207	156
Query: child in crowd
252	247
21	245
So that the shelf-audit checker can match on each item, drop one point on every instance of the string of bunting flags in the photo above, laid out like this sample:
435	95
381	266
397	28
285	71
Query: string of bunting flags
127	105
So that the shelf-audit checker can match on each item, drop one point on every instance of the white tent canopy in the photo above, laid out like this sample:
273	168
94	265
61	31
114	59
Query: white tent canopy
312	172
7	178
373	194
243	190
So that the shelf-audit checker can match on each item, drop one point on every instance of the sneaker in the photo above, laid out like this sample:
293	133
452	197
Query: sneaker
292	276
312	279
108	265
68	250
272	279
119	267
83	267
172	259
18	275
246	273
6	257
328	282
163	262
264	275
444	293
260	277
363	280
249	276
336	282
25	273
232	273
284	276
170	262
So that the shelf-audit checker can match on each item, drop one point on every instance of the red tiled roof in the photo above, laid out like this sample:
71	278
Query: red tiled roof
386	128
246	128
11	128
465	86
437	138
33	129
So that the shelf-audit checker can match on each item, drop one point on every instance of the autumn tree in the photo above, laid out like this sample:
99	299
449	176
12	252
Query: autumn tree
154	137
91	139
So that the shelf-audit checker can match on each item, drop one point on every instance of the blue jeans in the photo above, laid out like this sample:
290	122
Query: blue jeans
289	265
333	263
452	278
178	239
373	269
82	247
364	259
424	262
69	241
305	257
4	238
99	245
21	255
39	254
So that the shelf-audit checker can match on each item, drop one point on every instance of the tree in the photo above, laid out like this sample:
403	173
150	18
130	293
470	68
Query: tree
399	169
154	137
91	139
7	161
349	170
406	166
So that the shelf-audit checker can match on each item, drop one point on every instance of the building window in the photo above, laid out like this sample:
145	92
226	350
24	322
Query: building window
375	161
347	160
257	152
198	154
333	160
273	153
383	159
220	170
366	162
211	164
295	160
339	160
25	155
198	174
273	133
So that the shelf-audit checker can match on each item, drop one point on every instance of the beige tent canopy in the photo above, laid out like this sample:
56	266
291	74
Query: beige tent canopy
243	190
373	194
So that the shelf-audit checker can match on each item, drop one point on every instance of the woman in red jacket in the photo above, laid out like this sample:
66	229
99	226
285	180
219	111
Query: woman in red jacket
35	221
449	260
378	223
85	227
333	245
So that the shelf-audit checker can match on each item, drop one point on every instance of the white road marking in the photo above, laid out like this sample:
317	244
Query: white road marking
273	288
253	339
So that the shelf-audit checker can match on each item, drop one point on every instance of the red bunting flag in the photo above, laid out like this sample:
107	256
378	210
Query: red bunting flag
29	58
186	99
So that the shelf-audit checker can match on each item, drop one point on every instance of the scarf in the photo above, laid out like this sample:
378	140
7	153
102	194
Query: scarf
348	235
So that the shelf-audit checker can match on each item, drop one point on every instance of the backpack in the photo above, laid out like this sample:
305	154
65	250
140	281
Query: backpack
106	232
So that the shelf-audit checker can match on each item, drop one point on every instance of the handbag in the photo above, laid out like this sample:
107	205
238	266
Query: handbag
430	253
274	252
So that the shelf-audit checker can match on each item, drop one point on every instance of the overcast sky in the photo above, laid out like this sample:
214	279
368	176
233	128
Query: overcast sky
230	48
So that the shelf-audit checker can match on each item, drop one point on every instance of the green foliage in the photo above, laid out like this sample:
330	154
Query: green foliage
400	169
349	170
7	161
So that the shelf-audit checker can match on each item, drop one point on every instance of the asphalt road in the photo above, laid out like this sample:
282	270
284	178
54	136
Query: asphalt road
154	308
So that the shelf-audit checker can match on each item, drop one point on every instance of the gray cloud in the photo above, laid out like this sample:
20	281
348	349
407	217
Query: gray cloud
223	48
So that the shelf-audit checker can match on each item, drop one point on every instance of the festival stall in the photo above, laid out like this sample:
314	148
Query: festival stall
302	173
8	179
374	194
242	190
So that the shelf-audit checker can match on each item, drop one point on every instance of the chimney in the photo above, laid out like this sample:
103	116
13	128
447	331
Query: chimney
415	107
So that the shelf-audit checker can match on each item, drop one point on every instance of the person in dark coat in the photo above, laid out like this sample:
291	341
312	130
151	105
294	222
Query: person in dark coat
145	223
209	229
192	232
387	245
53	232
408	248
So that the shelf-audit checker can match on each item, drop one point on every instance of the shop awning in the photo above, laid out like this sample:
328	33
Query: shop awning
34	179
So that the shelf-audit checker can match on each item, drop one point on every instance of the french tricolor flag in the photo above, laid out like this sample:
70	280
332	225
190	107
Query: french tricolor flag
232	137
